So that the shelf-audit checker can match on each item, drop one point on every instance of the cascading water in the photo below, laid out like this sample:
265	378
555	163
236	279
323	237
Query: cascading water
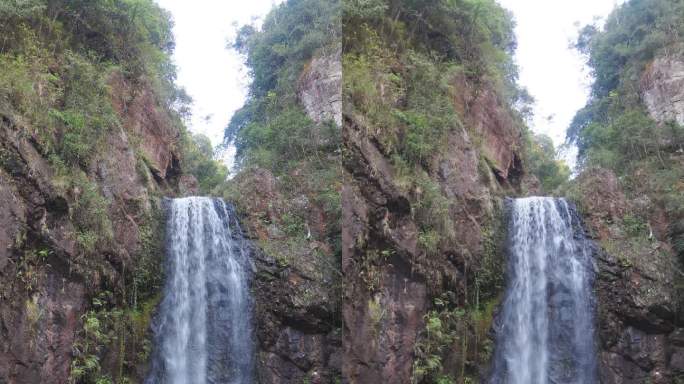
546	330
203	331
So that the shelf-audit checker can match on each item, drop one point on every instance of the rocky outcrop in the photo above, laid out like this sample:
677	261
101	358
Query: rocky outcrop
639	330
296	284
297	277
383	304
146	122
662	86
390	280
47	278
39	308
487	114
298	339
320	87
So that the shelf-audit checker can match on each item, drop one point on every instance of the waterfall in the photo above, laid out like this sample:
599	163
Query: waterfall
545	332
203	330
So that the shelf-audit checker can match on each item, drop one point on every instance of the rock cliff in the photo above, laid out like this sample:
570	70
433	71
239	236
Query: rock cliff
391	281
295	288
639	308
630	187
432	144
640	276
48	279
297	282
663	89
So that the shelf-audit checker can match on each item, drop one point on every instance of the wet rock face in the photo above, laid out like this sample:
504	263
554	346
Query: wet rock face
320	88
383	302
385	328
486	113
38	347
143	119
663	89
12	216
294	289
639	334
389	279
38	315
46	281
297	339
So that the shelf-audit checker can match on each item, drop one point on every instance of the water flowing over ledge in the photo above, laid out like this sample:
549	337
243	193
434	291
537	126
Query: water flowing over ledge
203	333
545	333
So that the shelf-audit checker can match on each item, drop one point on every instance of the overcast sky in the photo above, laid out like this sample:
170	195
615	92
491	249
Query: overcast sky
216	79
213	75
551	71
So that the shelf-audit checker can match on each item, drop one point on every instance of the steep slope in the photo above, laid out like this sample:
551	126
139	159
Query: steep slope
90	140
287	137
631	142
432	143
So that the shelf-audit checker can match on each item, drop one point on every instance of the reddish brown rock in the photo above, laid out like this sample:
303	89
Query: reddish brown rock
638	330
47	281
485	113
145	120
390	280
296	283
662	88
188	185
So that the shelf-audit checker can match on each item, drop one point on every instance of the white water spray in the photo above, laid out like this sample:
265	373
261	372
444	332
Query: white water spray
204	332
546	330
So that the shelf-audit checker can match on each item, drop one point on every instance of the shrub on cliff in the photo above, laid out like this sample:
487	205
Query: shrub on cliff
69	70
541	161
272	130
615	130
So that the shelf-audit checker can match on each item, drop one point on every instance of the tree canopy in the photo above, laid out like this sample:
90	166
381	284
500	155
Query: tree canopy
271	130
614	130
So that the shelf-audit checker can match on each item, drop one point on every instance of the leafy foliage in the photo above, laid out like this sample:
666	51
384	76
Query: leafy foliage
199	161
541	161
456	333
60	66
107	331
614	130
633	34
402	63
290	35
272	130
401	60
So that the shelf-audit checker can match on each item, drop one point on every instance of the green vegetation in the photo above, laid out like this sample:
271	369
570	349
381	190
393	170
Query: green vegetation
614	130
408	70
59	59
541	161
273	132
198	160
61	53
461	333
404	65
70	69
110	331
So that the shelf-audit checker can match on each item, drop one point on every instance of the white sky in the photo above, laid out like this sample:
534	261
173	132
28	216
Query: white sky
552	72
213	75
216	79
